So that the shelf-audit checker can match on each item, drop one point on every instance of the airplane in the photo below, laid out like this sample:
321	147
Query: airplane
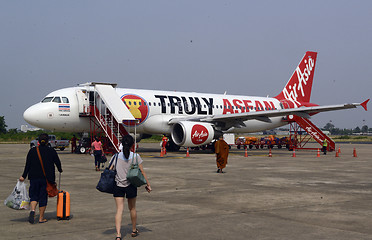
190	119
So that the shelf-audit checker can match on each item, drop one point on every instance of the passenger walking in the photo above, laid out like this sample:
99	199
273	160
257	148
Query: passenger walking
123	188
33	169
222	152
97	152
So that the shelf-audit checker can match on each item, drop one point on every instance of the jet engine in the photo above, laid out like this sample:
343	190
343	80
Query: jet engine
192	134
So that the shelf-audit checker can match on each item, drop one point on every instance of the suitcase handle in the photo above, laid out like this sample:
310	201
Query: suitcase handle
59	182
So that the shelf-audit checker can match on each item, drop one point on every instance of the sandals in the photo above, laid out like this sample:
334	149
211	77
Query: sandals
31	217
135	233
43	221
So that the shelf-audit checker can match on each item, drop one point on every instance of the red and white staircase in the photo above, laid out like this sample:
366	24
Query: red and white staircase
110	112
312	130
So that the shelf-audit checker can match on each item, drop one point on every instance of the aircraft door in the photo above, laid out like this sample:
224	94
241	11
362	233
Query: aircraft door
83	101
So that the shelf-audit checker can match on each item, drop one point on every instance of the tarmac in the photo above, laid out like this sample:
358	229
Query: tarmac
258	197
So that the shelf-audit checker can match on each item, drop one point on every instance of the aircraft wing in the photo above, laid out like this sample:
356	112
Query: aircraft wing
237	119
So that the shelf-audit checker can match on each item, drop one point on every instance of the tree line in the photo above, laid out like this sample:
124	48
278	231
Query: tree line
337	131
15	135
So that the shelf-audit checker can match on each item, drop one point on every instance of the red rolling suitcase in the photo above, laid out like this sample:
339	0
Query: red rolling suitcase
63	203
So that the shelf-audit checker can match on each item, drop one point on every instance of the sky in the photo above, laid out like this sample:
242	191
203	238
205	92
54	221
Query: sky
210	46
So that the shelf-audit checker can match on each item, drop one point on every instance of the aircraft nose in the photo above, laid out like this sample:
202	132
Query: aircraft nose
31	115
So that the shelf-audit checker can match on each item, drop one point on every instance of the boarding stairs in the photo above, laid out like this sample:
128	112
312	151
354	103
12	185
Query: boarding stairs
110	112
297	123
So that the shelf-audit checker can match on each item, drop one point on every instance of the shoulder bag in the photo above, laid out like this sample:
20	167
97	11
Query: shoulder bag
51	187
134	175
107	181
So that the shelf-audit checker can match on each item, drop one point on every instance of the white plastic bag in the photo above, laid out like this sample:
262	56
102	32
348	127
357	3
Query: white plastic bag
19	198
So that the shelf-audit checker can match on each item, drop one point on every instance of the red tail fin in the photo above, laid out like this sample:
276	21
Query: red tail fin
298	88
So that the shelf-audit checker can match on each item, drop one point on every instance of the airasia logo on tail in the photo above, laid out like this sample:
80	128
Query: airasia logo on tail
199	134
293	91
298	88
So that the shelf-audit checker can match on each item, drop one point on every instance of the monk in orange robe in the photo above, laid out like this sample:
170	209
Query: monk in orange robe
222	152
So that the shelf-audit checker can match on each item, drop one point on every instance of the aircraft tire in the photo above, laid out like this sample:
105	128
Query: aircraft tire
82	150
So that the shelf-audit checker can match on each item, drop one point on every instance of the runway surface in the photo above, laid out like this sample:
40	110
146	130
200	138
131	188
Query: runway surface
258	197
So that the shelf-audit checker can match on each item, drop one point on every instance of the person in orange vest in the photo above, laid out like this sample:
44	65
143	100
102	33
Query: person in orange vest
164	142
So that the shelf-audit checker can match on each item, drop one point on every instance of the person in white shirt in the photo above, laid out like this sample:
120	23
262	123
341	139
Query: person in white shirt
123	188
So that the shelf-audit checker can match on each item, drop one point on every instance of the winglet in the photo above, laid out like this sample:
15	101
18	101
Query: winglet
364	104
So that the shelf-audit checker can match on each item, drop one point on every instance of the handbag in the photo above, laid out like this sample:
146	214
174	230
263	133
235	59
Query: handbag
106	182
103	159
51	188
134	174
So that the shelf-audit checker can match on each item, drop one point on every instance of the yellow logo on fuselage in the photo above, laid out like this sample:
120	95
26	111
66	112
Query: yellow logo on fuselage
133	106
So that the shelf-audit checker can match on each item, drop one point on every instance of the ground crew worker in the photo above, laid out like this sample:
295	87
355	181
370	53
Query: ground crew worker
325	144
73	144
164	142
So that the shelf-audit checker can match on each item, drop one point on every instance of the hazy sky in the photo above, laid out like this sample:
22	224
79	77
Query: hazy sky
242	47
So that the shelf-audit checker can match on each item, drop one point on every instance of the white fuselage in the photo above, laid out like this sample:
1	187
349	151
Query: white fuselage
59	110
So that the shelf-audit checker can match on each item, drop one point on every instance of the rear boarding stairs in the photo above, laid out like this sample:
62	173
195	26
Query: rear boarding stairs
299	140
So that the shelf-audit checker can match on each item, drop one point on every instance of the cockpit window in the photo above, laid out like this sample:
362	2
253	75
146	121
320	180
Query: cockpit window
47	99
57	100
65	100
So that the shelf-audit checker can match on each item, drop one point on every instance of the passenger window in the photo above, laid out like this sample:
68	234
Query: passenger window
65	100
47	99
57	100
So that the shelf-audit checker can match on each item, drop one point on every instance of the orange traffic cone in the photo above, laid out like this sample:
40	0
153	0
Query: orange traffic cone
337	154
339	150
246	152
187	153
318	155
294	152
270	155
162	152
355	153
